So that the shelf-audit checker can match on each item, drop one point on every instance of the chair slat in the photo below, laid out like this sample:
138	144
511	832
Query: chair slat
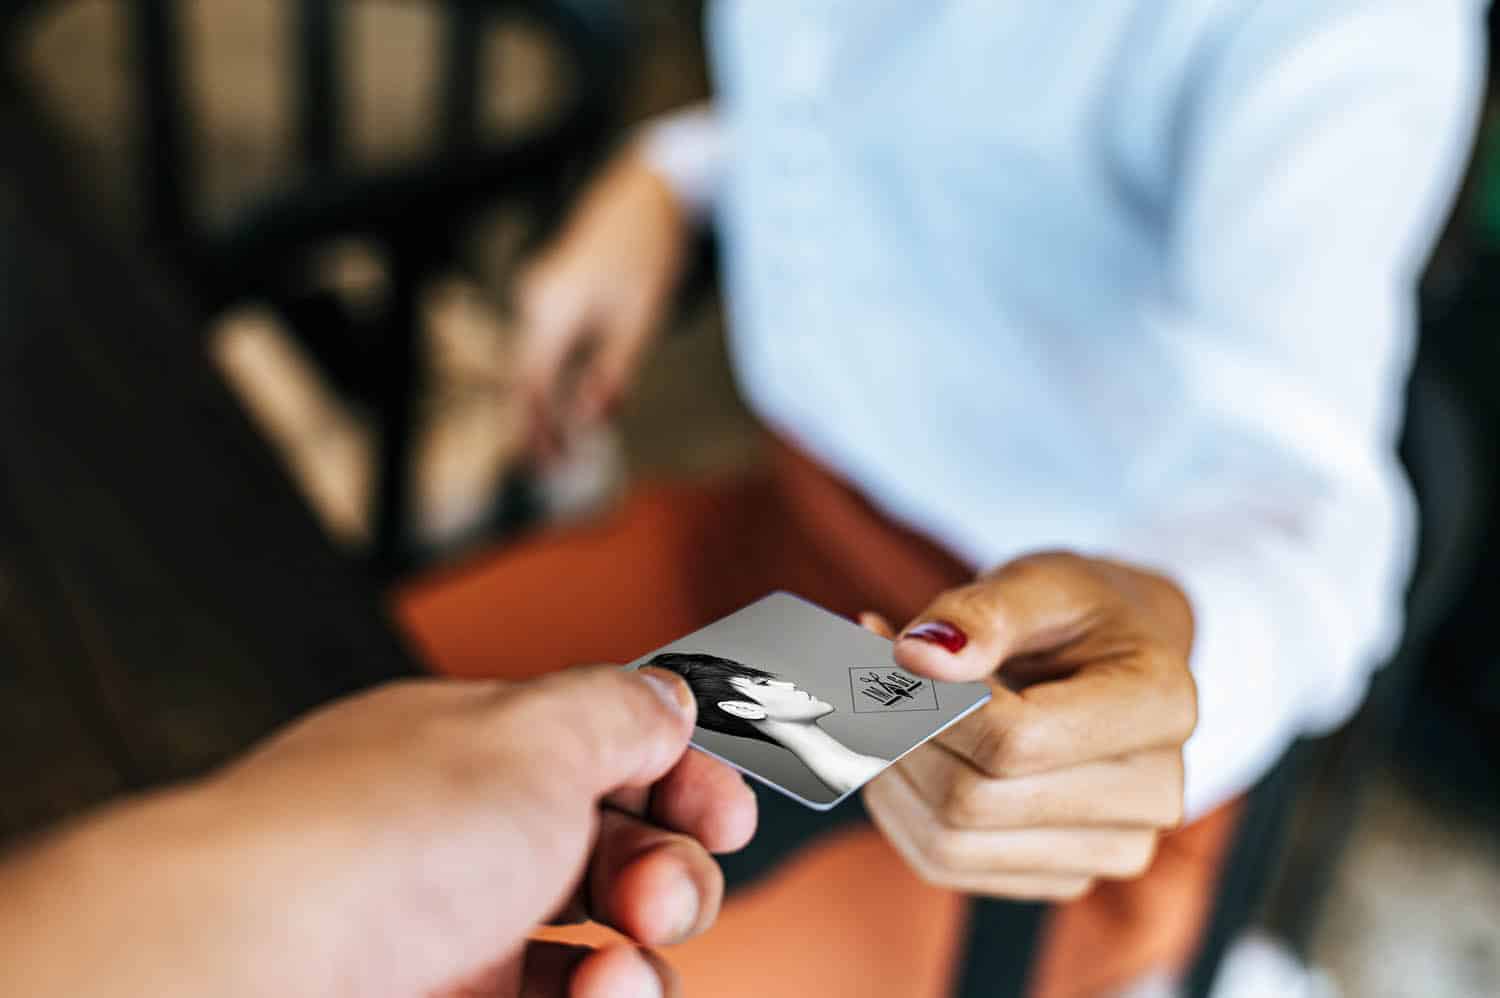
1000	949
318	94
463	44
163	141
399	377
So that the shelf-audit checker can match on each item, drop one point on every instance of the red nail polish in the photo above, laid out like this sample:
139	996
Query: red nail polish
940	633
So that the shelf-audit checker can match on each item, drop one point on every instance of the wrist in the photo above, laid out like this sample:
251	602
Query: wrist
675	213
119	903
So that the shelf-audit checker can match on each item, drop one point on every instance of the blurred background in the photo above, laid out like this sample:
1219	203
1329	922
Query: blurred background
341	194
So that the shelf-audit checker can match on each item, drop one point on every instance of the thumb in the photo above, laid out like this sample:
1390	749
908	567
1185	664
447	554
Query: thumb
610	728
550	751
1029	605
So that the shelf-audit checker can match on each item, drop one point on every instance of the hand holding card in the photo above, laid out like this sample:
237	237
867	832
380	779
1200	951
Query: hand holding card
805	701
1075	768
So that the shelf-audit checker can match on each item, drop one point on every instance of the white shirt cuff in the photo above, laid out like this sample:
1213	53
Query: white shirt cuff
687	149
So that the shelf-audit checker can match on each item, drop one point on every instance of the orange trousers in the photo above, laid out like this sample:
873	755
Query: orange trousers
673	558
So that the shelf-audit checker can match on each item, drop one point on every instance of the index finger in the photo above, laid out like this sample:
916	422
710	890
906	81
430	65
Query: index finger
1110	709
706	799
701	797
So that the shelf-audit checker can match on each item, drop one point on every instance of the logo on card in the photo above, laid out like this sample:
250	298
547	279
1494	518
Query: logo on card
878	690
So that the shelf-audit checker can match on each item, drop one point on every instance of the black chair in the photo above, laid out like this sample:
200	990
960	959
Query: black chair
418	215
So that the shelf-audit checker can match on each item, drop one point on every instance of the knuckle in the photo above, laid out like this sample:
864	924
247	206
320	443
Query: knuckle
1010	751
463	775
591	747
1174	812
946	849
990	751
1051	558
969	602
1037	566
967	606
1147	856
523	701
1189	720
924	839
644	710
937	846
963	803
1184	719
1048	889
1175	692
1131	856
1072	890
461	764
983	738
392	690
1172	808
1034	802
933	876
919	857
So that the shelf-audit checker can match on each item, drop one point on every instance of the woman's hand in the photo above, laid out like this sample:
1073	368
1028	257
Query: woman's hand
401	843
1074	769
592	301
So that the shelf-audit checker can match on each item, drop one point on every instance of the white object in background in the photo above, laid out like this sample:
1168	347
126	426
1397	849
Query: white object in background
587	475
1259	966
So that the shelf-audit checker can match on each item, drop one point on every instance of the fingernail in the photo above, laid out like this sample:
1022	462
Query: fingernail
940	633
666	685
644	981
682	906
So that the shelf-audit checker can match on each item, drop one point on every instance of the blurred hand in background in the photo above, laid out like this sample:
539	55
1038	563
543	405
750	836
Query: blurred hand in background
593	300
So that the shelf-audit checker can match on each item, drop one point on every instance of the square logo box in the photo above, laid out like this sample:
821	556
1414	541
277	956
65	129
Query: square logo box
879	691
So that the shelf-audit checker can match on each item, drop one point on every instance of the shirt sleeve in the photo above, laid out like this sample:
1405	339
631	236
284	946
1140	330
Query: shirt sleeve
1319	153
687	148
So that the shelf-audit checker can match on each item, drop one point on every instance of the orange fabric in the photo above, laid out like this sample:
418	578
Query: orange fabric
603	592
673	558
1123	928
792	935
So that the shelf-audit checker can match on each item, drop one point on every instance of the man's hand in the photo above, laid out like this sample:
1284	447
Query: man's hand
1074	769
401	843
591	302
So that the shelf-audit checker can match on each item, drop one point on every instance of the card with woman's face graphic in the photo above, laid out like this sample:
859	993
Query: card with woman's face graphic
805	701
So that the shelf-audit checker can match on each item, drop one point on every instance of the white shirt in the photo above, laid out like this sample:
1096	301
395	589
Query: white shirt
1131	277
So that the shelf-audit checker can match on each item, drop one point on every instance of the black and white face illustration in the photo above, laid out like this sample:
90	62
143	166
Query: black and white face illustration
738	699
731	692
776	699
805	701
732	697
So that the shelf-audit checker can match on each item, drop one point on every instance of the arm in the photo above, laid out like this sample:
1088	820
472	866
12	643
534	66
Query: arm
688	149
1320	161
599	291
402	842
